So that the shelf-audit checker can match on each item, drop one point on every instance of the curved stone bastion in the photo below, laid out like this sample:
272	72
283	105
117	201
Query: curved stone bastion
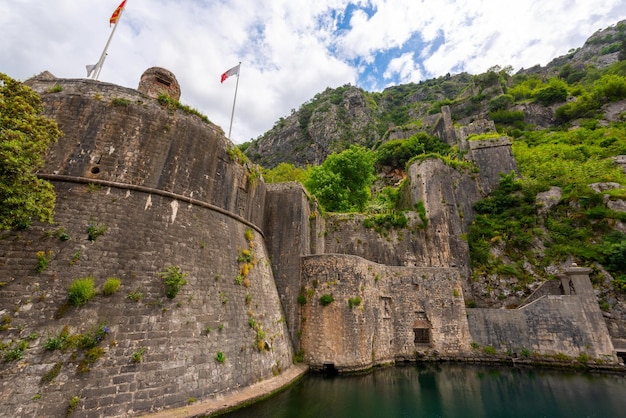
142	185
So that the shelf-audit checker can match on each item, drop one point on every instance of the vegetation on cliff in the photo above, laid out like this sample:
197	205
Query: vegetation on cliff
567	123
24	138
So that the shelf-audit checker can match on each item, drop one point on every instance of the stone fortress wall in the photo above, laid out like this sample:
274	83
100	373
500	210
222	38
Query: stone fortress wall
171	190
166	188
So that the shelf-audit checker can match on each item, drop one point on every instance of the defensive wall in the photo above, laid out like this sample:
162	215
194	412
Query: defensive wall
568	323
378	314
169	191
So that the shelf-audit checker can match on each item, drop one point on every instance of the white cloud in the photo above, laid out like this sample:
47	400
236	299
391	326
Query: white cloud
290	49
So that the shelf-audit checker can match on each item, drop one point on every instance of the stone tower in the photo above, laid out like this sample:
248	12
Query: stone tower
156	81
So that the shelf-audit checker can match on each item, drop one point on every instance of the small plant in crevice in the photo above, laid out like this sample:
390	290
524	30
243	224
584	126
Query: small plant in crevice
136	295
57	88
95	230
5	323
119	101
301	299
59	341
43	258
75	257
220	357
51	374
326	299
489	350
260	343
72	404
246	260
62	235
15	350
583	358
299	357
355	301
111	286
223	297
137	356
91	356
173	279
81	291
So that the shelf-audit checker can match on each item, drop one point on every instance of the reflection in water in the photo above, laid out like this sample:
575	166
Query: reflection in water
448	390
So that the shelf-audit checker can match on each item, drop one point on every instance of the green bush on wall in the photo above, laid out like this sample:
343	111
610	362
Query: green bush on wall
81	291
174	279
326	300
111	286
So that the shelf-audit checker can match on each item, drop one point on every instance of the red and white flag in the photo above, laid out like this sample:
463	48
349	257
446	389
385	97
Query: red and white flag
116	14
232	71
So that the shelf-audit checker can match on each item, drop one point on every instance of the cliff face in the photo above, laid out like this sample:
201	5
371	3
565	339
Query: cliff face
163	186
337	118
329	123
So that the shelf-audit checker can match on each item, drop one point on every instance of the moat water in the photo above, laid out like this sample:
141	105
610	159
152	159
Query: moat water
448	390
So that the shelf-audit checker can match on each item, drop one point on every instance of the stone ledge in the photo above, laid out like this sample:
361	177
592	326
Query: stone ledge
237	398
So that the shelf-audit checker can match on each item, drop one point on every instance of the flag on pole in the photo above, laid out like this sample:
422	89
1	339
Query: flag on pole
116	13
232	71
90	69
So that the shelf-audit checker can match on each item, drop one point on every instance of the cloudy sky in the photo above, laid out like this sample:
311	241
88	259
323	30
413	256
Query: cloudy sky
290	49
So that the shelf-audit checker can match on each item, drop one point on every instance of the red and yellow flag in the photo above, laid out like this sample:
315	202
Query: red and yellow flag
116	13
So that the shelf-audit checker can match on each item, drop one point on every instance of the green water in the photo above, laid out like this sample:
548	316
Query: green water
448	390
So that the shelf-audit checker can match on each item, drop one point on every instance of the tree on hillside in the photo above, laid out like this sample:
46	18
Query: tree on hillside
24	138
342	183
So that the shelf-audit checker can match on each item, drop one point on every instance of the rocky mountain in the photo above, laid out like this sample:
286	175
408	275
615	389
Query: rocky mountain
337	118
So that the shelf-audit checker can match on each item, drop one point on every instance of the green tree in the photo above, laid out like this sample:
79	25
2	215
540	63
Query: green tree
285	172
554	92
397	152
24	138
342	183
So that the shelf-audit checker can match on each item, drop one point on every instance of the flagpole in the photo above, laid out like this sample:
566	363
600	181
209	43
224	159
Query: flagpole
232	114
100	63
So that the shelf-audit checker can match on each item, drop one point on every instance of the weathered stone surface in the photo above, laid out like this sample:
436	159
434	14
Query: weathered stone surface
392	308
164	186
569	324
156	81
547	199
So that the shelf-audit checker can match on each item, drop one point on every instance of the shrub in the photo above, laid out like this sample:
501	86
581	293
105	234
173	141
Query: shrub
501	102
326	299
555	92
301	300
94	231
15	352
489	350
111	286
137	356
93	337
59	341
507	117
174	280
355	301
81	291
43	259
136	295
73	403
119	101
220	357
